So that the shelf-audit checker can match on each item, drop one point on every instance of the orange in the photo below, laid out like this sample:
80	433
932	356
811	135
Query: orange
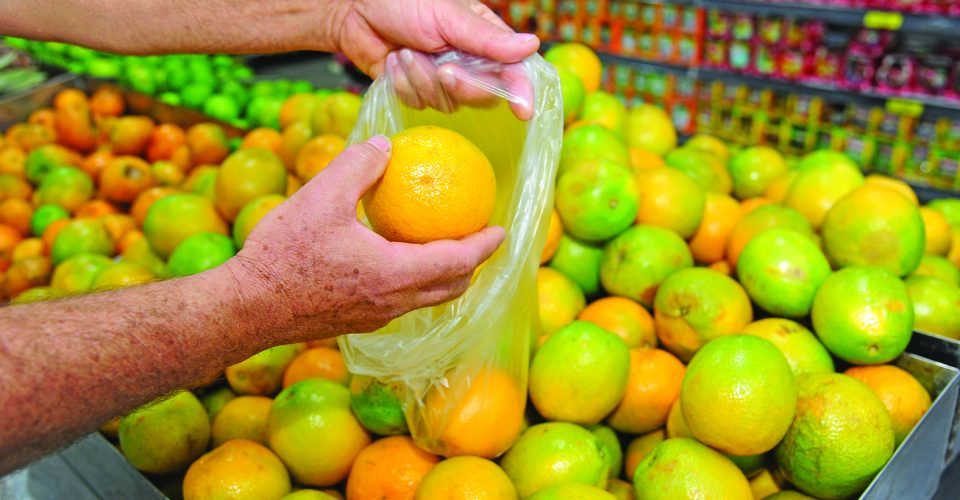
555	453
25	274
167	173
146	199
624	317
9	237
389	469
182	157
250	215
676	425
936	231
208	144
263	137
92	209
779	187
639	448
684	468
482	418
43	116
874	226
129	135
75	128
202	180
817	188
738	395
318	362
894	184
298	108
243	417
804	353
125	177
12	186
721	266
164	436
906	400
751	204
237	469
554	233
246	175
27	247
291	140
164	141
621	490
51	232
310	427
466	478
175	218
94	163
651	128
12	160
695	306
262	373
760	219
16	213
580	60
28	136
579	374
437	185
560	300
720	214
107	101
670	199
128	239
122	274
641	159
316	154
69	97
652	386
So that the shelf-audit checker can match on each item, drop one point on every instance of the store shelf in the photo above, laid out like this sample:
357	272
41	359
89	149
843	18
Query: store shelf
913	23
932	106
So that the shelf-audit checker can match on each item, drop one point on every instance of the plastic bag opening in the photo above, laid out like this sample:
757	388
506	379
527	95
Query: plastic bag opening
463	365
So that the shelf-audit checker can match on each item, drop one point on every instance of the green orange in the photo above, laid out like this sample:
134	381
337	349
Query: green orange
611	447
695	306
262	373
841	437
571	88
122	273
377	406
874	226
949	208
735	383
781	271
605	109
591	142
863	315
936	266
165	436
936	306
555	453
818	187
44	215
559	299
704	168
580	261
246	175
580	60
597	200
711	145
637	261
684	468
579	374
81	236
753	169
67	187
572	491
176	217
759	220
670	199
804	353
77	273
200	252
649	127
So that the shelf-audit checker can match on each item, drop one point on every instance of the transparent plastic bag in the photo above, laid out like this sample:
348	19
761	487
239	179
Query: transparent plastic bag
462	366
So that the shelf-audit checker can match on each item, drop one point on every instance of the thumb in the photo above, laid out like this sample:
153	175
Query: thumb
465	30
356	170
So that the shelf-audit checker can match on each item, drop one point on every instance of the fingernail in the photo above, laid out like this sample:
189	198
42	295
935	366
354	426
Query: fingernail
406	55
380	142
447	77
525	38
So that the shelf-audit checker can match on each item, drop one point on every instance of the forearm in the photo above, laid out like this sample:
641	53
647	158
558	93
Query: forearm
164	26
68	366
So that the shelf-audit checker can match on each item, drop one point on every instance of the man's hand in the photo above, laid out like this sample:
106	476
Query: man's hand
331	274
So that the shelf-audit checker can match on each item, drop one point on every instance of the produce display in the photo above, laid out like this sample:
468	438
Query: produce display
712	317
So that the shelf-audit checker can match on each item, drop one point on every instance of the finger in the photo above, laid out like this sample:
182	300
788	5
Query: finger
446	260
466	30
421	71
518	84
485	12
442	292
477	90
353	172
401	84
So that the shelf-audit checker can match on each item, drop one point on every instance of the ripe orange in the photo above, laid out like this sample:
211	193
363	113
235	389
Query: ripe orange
641	159
437	185
207	143
720	214
624	317
74	129
936	231
16	213
12	160
167	173
237	469
164	141
263	137
818	187
639	448
298	108
25	274
390	468
652	386
125	177
559	300
129	135
28	136
291	140
27	247
670	199
94	163
466	478
483	418
146	199
318	362
107	101
246	175
316	154
51	232
554	233
91	209
9	237
243	417
43	116
580	60
906	400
